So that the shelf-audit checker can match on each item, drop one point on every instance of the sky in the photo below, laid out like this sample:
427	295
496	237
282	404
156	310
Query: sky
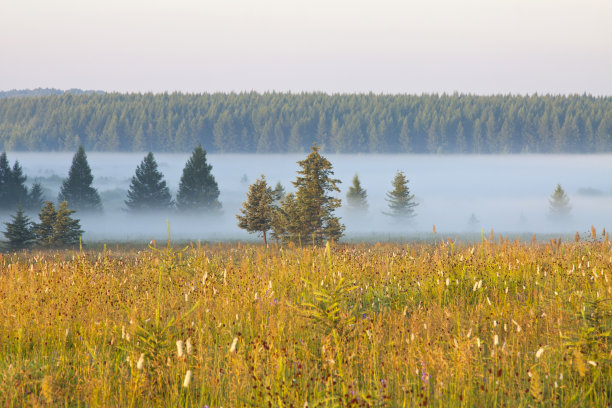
382	46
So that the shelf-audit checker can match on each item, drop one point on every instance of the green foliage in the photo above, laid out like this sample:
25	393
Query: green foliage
19	231
401	202
13	191
198	189
282	122
559	206
356	197
36	197
57	228
278	193
310	213
148	190
77	189
257	212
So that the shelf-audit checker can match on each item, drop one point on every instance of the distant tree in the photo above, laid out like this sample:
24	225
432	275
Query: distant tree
148	190
44	229
77	189
278	193
473	222
66	230
356	197
19	231
310	213
401	202
12	185
57	228
257	212
198	189
559	206
36	197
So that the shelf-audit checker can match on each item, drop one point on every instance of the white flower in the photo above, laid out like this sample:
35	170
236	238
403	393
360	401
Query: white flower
539	353
233	346
179	348
496	340
187	379
188	346
140	363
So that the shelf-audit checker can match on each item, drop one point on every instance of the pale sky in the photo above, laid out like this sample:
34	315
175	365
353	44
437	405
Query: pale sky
381	46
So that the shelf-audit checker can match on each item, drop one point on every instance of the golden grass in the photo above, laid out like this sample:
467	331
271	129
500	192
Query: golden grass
440	324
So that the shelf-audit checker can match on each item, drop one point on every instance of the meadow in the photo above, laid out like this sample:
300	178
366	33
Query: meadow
442	323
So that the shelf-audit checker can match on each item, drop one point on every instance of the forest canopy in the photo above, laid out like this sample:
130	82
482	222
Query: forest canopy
285	122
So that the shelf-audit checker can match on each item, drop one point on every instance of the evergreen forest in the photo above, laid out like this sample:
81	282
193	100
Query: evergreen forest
286	122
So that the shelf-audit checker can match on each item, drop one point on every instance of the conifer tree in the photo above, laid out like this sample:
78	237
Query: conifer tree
44	229
198	189
19	231
401	202
257	211
559	205
148	190
66	230
12	185
356	197
35	197
278	193
77	189
310	213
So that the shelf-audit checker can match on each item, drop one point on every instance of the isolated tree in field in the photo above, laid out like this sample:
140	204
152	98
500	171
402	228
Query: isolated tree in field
198	189
19	231
310	213
77	189
257	212
559	205
401	202
356	197
148	190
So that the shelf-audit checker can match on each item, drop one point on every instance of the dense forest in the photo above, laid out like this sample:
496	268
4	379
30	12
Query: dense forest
285	122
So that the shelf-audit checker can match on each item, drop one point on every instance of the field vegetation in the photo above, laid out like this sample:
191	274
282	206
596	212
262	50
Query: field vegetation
495	323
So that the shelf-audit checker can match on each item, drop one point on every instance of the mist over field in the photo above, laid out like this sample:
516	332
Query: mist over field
506	193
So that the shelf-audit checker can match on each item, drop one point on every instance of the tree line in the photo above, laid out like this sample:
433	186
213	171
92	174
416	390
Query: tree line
285	122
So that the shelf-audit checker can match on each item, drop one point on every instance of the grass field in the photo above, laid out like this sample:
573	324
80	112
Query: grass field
495	323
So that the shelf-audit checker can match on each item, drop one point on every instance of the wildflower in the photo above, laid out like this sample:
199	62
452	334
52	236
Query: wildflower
478	341
140	363
188	346
233	346
591	362
424	375
187	379
539	352
496	340
179	348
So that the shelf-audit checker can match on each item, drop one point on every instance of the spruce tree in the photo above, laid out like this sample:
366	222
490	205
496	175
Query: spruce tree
5	181
356	197
44	229
148	190
401	202
310	213
19	232
66	230
257	211
198	189
559	205
77	189
35	197
12	185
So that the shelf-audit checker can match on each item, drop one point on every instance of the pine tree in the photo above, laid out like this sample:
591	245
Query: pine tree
5	177
66	230
44	229
12	185
35	197
198	189
77	189
257	211
148	190
310	213
559	204
401	202
356	197
19	232
278	193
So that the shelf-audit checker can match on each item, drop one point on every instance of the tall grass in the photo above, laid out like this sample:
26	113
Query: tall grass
445	324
